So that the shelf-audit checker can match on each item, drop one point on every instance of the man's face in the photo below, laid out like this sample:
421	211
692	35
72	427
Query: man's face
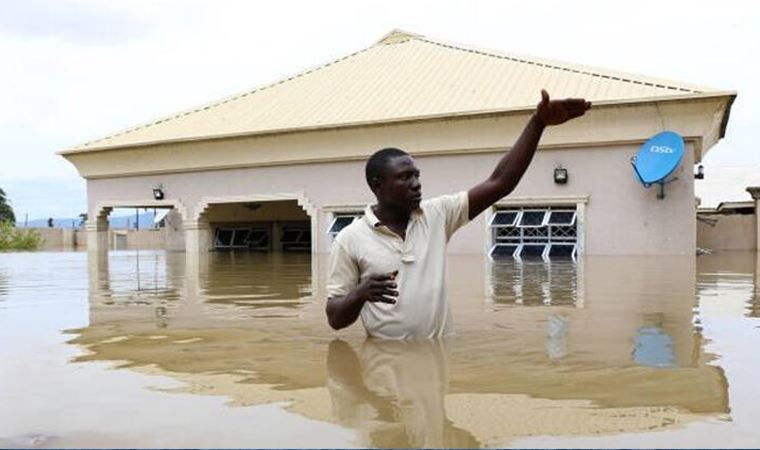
400	187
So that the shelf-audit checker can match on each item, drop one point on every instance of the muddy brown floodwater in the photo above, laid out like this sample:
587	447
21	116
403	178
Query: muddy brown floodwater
158	349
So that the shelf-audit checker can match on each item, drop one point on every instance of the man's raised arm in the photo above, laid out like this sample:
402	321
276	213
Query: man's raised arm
515	162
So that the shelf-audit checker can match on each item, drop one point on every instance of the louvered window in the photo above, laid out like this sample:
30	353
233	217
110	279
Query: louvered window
546	233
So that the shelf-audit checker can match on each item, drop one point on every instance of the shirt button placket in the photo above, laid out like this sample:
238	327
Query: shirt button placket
407	253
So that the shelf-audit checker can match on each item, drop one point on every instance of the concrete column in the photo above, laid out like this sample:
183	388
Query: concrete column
174	232
754	191
198	236
195	277
98	277
97	234
317	238
198	245
276	237
755	311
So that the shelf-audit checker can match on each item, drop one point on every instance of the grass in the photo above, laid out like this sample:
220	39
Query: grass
12	238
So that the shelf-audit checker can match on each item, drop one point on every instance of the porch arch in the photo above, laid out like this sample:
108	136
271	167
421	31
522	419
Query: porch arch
199	228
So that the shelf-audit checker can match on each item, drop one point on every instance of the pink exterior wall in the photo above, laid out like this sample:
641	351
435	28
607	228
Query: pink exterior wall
621	217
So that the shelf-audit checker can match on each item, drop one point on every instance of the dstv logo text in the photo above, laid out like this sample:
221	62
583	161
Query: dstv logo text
661	149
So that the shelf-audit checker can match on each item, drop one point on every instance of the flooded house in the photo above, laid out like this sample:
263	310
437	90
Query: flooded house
281	167
638	343
633	341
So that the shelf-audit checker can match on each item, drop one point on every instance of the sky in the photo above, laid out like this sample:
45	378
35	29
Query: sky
76	70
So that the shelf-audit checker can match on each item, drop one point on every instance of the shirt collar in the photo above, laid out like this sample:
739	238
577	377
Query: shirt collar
370	217
374	222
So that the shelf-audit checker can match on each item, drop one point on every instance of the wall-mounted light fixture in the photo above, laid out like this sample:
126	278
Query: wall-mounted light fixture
158	193
700	175
560	175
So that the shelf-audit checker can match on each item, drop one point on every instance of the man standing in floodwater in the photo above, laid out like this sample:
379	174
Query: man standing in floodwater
389	267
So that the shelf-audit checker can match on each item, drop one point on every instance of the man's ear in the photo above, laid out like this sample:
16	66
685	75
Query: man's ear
375	184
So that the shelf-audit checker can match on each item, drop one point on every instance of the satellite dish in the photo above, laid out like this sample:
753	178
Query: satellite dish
657	159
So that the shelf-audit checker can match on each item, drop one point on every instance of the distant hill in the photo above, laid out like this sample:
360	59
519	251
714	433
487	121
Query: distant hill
118	222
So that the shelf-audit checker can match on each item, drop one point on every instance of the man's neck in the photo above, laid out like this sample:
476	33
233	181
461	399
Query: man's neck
392	218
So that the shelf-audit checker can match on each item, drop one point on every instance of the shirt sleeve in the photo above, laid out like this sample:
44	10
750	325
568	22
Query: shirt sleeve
455	210
343	272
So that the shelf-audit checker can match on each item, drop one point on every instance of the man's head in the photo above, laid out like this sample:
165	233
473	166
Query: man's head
394	179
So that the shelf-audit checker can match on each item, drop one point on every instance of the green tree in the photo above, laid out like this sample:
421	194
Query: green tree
6	212
12	238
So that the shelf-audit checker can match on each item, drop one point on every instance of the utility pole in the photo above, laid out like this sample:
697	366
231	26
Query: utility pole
137	219
26	219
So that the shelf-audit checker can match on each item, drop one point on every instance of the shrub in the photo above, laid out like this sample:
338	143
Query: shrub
12	238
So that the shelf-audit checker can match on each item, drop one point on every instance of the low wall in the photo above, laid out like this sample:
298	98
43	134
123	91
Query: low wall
55	239
137	239
730	232
58	238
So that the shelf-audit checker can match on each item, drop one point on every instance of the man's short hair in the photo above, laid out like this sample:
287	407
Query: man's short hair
378	162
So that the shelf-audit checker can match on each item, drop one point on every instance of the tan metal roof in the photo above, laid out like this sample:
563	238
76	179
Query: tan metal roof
402	76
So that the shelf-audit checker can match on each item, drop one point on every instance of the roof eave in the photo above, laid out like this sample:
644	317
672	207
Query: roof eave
727	113
730	95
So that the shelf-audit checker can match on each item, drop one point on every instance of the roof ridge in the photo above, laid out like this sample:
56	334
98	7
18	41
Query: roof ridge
397	36
224	100
565	66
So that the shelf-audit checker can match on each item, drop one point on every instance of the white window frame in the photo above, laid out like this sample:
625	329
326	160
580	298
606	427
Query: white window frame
338	215
559	210
518	216
578	203
573	254
232	238
235	235
267	235
335	211
504	244
543	256
545	210
297	240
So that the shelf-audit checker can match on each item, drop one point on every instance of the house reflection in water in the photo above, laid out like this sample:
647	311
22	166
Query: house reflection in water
601	346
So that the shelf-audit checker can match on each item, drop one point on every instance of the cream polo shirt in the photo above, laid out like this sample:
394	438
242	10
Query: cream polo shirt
368	247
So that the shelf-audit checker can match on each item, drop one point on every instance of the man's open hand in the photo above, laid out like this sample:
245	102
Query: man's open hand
379	288
555	112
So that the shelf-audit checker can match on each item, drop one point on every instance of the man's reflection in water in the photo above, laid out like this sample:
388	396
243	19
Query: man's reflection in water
393	392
